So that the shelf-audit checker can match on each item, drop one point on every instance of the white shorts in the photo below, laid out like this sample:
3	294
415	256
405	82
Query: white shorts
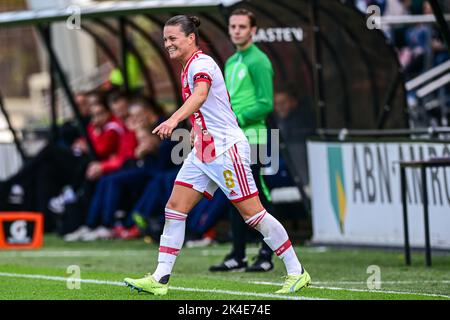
230	171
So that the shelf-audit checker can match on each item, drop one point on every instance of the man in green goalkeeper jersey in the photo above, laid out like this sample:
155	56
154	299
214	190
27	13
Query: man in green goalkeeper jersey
249	80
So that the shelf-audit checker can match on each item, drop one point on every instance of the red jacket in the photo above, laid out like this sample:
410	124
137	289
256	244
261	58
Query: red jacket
126	147
105	140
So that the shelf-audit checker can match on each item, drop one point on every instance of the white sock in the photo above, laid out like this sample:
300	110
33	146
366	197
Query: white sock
277	239
171	242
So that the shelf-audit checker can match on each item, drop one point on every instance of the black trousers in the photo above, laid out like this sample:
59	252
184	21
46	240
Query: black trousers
43	177
65	166
240	231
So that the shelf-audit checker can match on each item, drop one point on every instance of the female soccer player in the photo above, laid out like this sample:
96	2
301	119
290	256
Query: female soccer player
220	159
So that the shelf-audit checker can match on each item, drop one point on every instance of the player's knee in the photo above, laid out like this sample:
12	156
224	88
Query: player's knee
249	208
250	214
173	205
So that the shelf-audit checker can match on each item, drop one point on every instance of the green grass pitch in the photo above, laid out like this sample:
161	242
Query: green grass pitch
336	273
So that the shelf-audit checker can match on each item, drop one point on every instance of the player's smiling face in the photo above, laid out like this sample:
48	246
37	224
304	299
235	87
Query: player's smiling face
178	45
240	30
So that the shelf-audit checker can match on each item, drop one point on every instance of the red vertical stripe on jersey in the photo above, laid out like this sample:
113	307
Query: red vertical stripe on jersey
206	150
205	147
185	91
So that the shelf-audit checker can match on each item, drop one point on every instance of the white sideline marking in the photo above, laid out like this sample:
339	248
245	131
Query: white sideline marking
43	253
385	282
359	290
121	284
103	253
71	253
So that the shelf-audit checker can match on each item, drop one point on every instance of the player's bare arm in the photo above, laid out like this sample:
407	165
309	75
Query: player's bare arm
192	104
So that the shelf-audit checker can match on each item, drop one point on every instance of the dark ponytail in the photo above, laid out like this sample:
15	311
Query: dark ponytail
195	20
189	24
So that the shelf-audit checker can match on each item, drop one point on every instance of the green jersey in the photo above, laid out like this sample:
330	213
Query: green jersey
249	79
134	73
